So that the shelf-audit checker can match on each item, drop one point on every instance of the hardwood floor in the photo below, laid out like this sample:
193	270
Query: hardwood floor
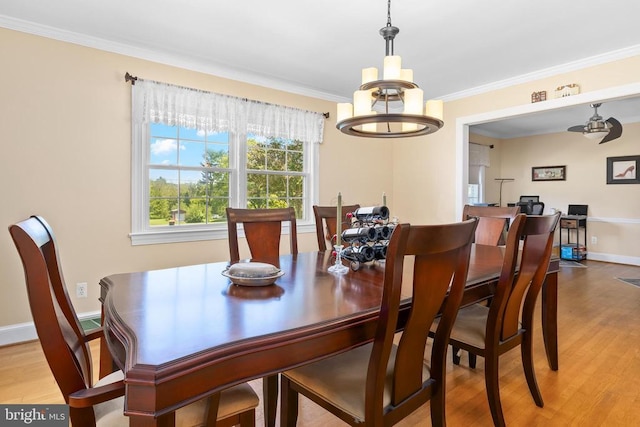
598	383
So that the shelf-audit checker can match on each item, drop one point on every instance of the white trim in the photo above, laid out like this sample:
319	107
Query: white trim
604	58
22	332
616	259
181	235
225	71
463	124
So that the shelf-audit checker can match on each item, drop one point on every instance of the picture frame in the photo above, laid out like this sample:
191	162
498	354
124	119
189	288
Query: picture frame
549	173
623	170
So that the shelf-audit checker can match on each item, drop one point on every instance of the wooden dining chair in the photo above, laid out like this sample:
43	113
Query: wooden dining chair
262	230
66	347
381	383
507	323
326	223
492	224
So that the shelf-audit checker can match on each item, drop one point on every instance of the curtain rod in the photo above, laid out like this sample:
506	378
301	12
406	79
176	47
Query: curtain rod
476	143
133	79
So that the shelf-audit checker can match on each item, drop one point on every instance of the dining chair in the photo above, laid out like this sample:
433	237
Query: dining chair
262	230
381	383
66	347
493	221
326	223
507	323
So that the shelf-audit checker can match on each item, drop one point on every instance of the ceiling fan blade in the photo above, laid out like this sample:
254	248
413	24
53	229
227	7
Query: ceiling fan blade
615	132
578	128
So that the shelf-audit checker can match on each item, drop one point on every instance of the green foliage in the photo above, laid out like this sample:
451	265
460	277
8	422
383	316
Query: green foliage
205	201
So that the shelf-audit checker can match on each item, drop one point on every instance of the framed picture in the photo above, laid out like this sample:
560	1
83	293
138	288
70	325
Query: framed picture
623	170
549	173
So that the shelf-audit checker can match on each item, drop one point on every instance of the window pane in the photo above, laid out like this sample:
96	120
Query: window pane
191	153
256	186
191	134
195	210
256	155
163	195
277	186
295	161
217	156
296	186
162	130
276	160
163	151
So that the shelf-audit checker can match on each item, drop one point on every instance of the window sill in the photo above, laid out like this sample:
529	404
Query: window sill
181	235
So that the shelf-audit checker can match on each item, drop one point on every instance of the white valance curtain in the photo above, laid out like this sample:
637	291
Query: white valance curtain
478	160
155	102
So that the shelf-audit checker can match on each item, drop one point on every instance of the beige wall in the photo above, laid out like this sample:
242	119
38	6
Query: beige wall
65	116
425	168
614	210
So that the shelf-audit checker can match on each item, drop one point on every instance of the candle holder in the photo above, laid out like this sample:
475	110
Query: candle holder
338	267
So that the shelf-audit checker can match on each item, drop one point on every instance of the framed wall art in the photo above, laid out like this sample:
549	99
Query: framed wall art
623	170
548	173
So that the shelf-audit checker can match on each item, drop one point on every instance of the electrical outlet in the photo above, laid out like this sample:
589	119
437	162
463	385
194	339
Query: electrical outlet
594	240
81	290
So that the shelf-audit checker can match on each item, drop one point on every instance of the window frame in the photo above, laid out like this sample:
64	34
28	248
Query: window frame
143	234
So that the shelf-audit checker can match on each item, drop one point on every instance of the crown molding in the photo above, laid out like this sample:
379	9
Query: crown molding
228	72
172	59
604	58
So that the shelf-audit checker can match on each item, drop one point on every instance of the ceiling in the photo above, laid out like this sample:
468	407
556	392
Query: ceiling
318	48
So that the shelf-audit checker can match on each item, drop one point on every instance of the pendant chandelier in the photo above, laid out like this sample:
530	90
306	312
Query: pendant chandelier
393	106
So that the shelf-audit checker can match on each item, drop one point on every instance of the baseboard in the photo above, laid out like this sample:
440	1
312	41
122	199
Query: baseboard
615	259
22	332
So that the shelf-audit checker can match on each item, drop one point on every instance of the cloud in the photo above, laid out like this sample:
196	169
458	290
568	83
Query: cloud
165	146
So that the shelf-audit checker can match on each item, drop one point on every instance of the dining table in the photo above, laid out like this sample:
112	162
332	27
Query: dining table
182	333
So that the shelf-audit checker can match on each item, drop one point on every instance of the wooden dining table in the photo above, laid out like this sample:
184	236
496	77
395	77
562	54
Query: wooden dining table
181	333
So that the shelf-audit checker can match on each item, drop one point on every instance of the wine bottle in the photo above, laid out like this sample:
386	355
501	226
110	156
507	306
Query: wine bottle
372	212
380	251
363	253
361	234
383	232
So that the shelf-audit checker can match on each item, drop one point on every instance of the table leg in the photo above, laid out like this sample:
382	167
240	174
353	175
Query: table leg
550	318
270	397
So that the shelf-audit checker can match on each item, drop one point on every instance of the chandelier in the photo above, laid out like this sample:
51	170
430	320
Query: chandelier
393	106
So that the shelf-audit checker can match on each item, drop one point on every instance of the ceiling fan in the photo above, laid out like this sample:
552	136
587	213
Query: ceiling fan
596	128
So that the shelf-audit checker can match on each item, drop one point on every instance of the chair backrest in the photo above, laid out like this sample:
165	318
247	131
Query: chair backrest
519	284
493	221
262	229
537	208
577	209
440	256
525	199
326	222
57	324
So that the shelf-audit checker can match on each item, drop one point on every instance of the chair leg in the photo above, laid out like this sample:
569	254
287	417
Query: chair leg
455	352
248	419
437	408
288	403
472	360
270	396
526	349
493	388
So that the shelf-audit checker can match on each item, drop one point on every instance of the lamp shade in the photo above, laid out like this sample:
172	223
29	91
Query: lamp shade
434	108
392	67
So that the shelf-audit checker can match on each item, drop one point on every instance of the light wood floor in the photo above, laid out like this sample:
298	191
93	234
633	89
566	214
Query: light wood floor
598	383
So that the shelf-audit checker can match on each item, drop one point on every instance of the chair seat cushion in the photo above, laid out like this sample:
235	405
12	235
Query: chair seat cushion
233	401
341	379
470	325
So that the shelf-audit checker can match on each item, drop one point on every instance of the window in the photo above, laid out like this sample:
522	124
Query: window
188	167
478	162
